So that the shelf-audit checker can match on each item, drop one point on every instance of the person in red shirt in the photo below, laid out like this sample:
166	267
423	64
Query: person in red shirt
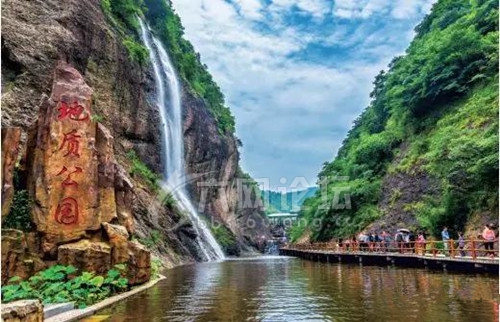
489	240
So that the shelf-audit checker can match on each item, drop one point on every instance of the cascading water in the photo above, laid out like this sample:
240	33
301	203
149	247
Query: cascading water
169	104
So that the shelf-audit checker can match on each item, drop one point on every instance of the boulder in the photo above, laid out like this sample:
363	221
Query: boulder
16	258
22	311
86	256
139	264
10	151
118	239
106	174
63	169
124	193
13	248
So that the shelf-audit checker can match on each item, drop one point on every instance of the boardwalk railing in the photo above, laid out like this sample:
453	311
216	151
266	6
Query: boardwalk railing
473	248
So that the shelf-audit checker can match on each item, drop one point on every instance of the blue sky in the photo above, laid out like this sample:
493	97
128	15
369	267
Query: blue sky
297	73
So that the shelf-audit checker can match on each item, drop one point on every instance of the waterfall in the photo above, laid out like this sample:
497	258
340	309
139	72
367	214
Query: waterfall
169	103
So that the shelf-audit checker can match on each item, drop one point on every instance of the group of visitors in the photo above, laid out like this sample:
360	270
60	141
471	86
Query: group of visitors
405	241
486	239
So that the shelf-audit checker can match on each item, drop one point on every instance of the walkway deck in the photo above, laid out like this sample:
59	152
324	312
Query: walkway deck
429	261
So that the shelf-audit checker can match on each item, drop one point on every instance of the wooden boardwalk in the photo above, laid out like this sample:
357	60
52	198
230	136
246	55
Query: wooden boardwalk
429	261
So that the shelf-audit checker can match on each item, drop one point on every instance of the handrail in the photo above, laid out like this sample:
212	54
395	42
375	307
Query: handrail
471	248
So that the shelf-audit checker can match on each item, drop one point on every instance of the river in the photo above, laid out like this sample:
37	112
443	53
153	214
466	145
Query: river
290	289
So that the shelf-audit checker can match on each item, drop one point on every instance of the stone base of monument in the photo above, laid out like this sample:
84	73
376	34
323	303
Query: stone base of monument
23	311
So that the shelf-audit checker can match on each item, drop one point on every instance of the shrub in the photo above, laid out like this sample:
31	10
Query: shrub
19	216
153	239
156	266
136	52
142	170
58	284
226	239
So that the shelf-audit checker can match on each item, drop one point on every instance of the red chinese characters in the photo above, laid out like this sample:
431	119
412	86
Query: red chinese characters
72	143
67	211
68	181
73	111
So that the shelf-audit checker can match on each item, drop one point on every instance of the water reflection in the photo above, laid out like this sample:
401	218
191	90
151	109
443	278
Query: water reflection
287	289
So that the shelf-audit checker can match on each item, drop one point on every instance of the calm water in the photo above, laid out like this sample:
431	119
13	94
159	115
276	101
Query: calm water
289	289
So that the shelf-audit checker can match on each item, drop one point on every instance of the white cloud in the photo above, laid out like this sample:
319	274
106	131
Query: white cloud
291	113
250	8
359	8
315	8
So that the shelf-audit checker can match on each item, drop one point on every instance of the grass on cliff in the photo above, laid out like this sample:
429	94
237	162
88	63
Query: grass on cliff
60	284
123	15
440	101
167	24
136	52
141	170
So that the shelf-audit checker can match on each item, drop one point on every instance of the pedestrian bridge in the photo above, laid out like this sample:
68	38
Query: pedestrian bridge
283	218
429	256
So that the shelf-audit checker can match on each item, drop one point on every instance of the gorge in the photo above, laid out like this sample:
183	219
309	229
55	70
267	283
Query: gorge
120	161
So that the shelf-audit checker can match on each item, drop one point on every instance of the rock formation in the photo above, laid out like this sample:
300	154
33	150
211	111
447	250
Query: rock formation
10	150
35	37
71	180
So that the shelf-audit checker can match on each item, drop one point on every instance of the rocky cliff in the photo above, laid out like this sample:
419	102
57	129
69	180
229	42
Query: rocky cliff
36	35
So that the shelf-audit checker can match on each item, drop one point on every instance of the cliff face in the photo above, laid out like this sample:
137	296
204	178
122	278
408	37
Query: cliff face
37	34
214	159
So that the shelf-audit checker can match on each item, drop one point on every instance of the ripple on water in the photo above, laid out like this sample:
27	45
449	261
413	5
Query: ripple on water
287	289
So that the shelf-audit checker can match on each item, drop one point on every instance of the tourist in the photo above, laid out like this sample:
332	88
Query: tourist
399	240
406	239
377	242
489	240
461	244
371	241
445	236
354	243
411	241
363	240
384	237
421	243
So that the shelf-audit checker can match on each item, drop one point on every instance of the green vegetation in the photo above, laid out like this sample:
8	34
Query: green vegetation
168	27
156	267
142	170
123	14
153	239
58	284
19	216
167	198
225	238
436	109
136	52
